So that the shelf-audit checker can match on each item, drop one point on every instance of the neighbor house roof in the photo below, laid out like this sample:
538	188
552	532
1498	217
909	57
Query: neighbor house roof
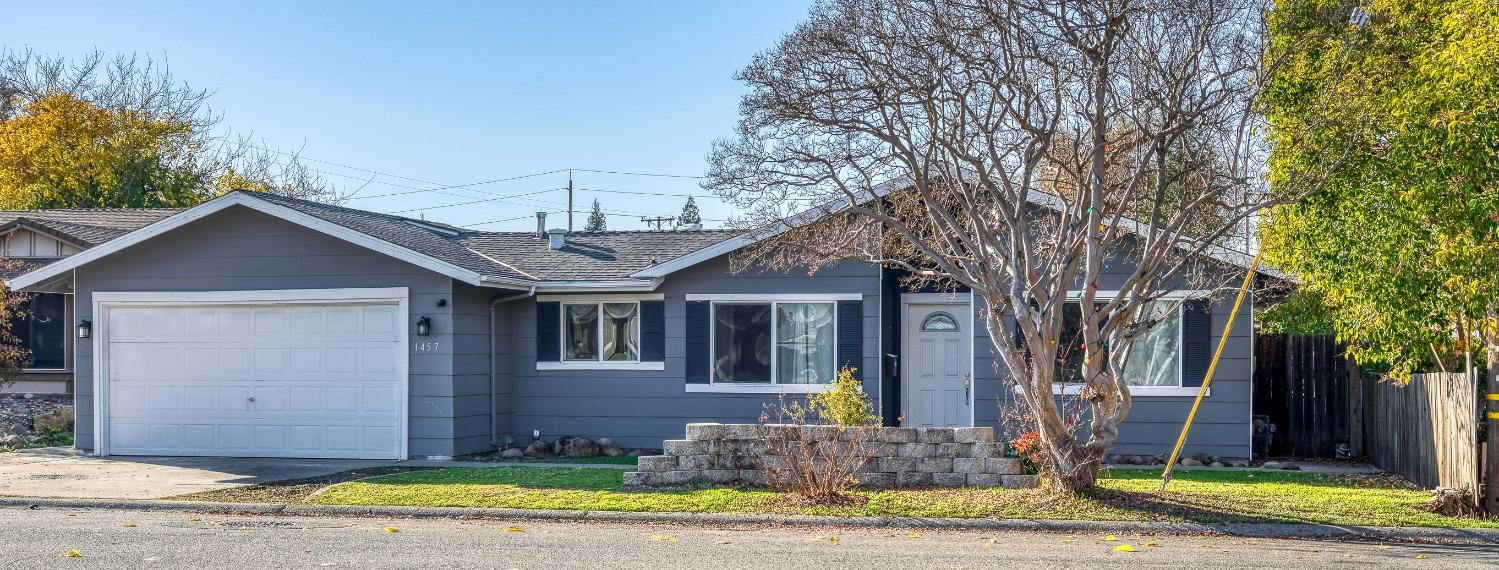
85	226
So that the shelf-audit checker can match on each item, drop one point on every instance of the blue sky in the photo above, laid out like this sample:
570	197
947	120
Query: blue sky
455	92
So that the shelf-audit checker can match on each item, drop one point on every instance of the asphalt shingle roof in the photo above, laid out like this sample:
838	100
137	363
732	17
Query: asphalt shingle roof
591	255
587	256
92	226
522	256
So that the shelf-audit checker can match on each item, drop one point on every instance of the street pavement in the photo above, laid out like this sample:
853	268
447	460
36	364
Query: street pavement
43	538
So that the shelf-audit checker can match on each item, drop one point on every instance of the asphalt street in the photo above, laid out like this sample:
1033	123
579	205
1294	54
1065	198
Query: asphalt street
45	538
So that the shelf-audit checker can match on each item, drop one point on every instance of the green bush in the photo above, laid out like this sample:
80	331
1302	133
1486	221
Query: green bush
845	404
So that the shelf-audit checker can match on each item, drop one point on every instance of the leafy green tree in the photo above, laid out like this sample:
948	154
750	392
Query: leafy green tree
1402	244
597	222
689	214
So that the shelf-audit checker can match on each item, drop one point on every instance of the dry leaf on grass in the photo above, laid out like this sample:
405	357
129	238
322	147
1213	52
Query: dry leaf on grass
1152	543
129	525
514	529
392	530
1124	548
74	553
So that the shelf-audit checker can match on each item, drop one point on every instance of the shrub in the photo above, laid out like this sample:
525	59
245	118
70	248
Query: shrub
844	404
816	449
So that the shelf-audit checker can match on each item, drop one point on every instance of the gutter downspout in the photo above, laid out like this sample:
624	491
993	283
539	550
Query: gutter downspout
494	375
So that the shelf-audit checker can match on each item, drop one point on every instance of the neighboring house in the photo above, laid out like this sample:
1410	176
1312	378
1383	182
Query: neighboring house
257	325
35	238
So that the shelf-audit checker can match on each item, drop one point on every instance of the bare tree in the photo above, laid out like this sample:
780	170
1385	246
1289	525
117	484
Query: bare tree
1014	147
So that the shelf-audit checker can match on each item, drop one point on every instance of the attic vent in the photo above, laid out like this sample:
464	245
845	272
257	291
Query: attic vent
432	228
559	238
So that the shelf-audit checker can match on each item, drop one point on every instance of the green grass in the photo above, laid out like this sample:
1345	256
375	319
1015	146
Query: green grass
1202	496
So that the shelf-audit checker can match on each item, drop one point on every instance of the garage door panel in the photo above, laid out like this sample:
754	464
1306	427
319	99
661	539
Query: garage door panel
242	380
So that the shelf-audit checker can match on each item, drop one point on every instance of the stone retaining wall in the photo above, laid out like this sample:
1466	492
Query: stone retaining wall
732	454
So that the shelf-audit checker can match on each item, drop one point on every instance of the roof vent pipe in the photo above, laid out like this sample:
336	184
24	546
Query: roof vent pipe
541	224
694	227
559	237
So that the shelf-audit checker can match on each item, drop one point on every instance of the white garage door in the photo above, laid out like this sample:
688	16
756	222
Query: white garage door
248	380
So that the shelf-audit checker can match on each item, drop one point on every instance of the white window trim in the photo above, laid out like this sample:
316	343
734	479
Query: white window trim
1180	389
1134	391
771	387
600	365
599	333
621	298
788	297
747	388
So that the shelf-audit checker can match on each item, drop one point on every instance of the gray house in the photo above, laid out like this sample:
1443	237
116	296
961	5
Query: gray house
257	325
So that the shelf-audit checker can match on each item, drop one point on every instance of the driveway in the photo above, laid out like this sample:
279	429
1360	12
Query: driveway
59	472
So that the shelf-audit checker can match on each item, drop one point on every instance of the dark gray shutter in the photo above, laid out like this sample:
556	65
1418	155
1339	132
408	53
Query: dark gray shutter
698	321
1197	340
548	329
851	335
653	331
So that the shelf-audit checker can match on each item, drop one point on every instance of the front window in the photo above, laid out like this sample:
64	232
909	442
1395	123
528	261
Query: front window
1154	356
776	343
596	332
43	330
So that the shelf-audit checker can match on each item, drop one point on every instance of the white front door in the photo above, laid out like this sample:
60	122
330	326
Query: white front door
936	365
302	379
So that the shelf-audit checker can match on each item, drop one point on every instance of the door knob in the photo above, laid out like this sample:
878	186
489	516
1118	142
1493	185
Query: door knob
251	398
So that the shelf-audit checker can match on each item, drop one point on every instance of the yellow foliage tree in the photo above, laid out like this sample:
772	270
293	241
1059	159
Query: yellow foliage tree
64	152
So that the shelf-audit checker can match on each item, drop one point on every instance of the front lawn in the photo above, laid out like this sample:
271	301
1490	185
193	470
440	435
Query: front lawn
1201	496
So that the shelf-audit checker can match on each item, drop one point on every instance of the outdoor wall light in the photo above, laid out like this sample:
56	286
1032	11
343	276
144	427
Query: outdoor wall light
85	328
423	326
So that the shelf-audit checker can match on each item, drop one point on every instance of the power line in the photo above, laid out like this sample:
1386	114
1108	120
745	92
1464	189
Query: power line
626	173
649	193
480	201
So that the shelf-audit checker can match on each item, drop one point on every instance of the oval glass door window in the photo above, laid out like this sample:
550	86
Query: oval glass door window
939	322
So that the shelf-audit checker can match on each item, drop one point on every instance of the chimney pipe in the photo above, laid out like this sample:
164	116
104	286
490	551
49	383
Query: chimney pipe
559	237
541	224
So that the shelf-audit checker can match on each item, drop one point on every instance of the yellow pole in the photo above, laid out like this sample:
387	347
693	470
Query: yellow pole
1212	367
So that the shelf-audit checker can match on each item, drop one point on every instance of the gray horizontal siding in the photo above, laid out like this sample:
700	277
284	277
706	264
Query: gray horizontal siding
1222	426
241	249
642	408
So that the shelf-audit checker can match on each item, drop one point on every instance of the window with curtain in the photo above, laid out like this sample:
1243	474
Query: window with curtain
601	332
1155	356
43	330
780	343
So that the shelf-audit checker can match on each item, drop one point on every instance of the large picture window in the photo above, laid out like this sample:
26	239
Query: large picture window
43	330
774	343
601	332
1154	356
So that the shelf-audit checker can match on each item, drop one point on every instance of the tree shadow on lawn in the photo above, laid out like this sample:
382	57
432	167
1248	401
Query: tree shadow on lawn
1253	478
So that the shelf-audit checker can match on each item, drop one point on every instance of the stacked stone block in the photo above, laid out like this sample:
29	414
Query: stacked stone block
732	454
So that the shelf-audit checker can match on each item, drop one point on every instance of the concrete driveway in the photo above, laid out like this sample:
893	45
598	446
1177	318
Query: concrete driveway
60	472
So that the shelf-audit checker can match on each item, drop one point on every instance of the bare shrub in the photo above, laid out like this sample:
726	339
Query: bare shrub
816	448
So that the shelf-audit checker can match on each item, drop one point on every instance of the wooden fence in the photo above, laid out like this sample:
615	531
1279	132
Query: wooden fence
1301	384
1425	431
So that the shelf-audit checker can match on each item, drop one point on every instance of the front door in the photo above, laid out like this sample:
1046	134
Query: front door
936	365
